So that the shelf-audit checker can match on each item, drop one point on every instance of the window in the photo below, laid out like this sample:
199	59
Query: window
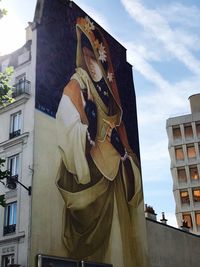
197	217
188	132
194	173
15	124
21	86
187	218
182	176
20	83
10	218
191	153
7	259
198	129
176	133
179	154
196	195
13	165
184	197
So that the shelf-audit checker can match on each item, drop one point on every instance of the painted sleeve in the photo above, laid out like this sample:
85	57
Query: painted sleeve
71	136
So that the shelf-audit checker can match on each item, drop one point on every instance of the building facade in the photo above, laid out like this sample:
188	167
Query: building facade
16	146
184	149
102	227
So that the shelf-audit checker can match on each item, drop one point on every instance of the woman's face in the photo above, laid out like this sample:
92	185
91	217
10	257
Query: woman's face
92	65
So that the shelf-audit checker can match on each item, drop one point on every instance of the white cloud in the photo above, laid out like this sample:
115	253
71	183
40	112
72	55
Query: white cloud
138	56
94	14
160	29
186	16
13	32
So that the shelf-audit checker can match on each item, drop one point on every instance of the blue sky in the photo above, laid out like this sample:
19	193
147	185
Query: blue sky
163	44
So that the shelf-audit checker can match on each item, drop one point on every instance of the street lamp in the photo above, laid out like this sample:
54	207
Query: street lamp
12	182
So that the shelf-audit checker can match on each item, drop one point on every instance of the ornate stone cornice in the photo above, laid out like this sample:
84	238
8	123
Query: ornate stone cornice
21	139
18	101
11	239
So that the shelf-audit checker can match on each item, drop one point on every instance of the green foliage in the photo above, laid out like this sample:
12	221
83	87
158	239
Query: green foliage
3	12
5	97
2	201
5	87
3	175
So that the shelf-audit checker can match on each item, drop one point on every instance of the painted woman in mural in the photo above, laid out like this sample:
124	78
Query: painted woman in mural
99	176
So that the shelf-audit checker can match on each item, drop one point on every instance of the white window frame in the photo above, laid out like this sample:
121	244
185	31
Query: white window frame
13	165
10	215
15	122
20	81
9	257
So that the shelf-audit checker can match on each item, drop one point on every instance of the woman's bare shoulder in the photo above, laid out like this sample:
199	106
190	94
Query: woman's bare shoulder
72	89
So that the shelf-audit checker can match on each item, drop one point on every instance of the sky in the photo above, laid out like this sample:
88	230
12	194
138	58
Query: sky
163	43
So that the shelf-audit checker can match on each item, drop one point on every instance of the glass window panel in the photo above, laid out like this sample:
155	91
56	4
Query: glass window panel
191	152
187	218
197	215
177	133
15	122
194	173
14	213
13	165
196	195
179	154
7	260
188	132
10	214
198	129
184	196
182	175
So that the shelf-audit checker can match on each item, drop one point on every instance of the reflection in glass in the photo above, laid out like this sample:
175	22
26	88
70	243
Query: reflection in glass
194	173
188	132
184	197
182	176
196	195
176	133
197	217
179	154
187	218
191	153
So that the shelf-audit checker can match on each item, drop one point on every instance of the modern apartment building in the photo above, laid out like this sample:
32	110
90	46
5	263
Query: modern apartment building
184	149
16	146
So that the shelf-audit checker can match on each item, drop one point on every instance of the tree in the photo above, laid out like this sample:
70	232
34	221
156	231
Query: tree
5	98
2	12
6	89
4	174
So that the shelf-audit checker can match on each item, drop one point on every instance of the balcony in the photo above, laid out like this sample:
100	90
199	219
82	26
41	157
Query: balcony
11	181
9	229
22	87
14	134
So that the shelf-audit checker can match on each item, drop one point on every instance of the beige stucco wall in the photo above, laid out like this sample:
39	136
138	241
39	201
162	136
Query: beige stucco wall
47	204
171	247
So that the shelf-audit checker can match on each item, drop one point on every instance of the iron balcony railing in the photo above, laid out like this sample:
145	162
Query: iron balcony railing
22	87
8	229
14	134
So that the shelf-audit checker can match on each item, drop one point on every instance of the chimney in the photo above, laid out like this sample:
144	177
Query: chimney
195	103
163	220
150	213
29	32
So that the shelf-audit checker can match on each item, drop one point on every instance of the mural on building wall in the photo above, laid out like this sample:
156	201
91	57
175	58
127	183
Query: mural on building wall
85	83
